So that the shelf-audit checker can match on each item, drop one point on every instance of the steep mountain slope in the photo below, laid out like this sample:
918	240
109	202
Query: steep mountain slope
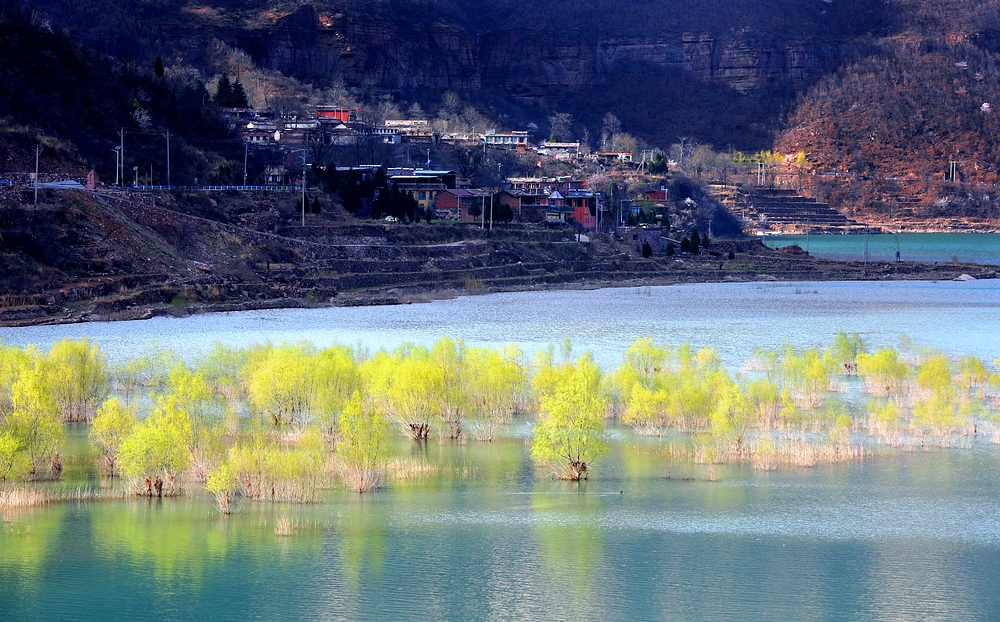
543	55
909	129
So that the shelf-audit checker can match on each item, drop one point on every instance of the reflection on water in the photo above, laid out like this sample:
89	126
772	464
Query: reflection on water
908	535
481	535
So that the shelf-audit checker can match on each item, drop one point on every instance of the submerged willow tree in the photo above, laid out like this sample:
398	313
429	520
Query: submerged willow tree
364	433
78	377
569	435
113	424
494	383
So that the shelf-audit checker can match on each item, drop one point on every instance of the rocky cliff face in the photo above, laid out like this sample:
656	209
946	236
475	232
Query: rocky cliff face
524	63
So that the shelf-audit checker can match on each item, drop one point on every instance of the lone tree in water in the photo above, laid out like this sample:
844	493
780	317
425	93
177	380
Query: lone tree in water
364	435
569	436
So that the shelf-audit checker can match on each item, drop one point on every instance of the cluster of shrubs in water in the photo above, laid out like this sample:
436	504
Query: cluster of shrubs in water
284	422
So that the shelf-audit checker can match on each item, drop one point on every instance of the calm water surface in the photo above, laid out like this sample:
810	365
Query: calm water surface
981	248
735	317
911	535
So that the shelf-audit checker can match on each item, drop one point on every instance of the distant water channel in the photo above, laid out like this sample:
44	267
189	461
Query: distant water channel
980	248
909	535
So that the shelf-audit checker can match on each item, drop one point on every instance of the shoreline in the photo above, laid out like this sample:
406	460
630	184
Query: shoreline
769	267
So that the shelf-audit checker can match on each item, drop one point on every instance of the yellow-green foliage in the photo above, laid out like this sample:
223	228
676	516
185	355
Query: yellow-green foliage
35	422
160	446
13	362
113	423
280	381
15	463
338	377
449	356
807	375
937	407
223	482
147	370
664	388
494	382
222	367
289	473
569	434
78	377
409	386
846	349
973	374
364	435
883	373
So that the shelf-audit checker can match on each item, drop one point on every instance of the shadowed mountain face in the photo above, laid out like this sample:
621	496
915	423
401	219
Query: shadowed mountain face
747	59
527	50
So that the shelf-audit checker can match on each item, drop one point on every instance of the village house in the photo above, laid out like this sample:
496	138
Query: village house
560	151
423	185
655	235
508	140
612	157
454	204
660	197
337	114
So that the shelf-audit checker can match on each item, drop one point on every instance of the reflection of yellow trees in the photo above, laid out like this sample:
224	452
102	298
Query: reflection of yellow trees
26	538
166	540
570	547
362	542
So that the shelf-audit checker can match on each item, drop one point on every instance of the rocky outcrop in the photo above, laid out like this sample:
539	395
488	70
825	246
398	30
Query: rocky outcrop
524	63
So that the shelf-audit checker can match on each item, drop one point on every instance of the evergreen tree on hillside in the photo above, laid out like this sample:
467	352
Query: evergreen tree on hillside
695	241
158	67
224	91
239	96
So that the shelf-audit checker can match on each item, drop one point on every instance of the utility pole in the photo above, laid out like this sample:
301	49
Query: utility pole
135	169
491	209
121	152
116	150
38	152
246	151
304	187
168	158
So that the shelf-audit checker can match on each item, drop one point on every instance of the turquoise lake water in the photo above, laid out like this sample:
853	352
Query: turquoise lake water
980	248
906	535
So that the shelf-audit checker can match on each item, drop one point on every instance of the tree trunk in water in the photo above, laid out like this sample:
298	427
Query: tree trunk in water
419	431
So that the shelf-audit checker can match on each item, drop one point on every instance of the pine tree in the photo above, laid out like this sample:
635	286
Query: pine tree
224	91
158	67
316	209
695	241
670	249
239	96
647	250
